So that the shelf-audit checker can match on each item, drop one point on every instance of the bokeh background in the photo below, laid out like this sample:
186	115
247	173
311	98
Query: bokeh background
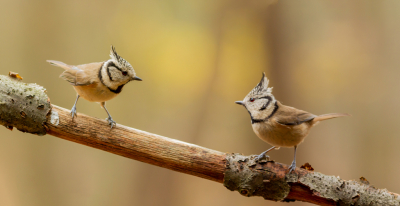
196	58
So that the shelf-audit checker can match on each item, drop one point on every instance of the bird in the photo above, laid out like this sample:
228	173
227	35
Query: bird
277	124
98	81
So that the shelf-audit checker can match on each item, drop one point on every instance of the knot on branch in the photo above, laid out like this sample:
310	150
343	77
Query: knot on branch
24	106
251	178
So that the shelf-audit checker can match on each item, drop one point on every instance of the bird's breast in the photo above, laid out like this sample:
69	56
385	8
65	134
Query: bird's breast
95	92
281	135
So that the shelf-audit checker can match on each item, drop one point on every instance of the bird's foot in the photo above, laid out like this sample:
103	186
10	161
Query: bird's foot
73	112
292	166
111	121
262	156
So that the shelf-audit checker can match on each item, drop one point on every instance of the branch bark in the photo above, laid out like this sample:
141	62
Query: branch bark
27	107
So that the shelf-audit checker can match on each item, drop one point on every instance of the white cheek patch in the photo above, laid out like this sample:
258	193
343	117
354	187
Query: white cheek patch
267	103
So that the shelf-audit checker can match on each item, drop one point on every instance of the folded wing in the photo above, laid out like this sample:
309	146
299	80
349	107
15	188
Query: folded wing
80	75
293	116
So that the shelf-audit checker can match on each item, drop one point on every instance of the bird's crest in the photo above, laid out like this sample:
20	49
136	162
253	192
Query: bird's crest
262	87
118	59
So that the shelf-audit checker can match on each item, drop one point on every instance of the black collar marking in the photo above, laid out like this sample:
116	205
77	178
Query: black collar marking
262	120
118	90
274	111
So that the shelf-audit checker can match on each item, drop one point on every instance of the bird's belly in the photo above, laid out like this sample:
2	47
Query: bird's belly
289	136
95	93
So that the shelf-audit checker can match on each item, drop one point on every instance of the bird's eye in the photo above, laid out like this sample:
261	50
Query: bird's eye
124	73
251	99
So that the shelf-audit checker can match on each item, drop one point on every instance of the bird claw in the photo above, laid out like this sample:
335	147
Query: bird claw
111	122
262	156
73	112
292	167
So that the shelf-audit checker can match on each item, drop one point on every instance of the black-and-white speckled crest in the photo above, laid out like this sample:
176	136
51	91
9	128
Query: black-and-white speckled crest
262	87
122	63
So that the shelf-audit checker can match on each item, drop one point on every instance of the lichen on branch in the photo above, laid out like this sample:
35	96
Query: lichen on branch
23	106
273	182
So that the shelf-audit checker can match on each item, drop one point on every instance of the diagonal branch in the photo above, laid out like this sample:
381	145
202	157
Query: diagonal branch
27	107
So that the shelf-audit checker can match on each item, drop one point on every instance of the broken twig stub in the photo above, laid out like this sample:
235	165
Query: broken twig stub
250	178
23	106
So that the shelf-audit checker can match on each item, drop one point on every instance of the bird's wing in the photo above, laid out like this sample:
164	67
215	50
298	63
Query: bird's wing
76	77
292	116
89	74
80	75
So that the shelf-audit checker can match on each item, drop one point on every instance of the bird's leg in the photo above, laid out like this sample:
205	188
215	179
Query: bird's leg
262	155
73	110
109	118
293	165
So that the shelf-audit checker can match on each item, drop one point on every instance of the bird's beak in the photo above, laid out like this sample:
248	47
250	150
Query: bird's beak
239	102
137	78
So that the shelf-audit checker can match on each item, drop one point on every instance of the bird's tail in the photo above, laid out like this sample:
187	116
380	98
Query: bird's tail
329	116
60	64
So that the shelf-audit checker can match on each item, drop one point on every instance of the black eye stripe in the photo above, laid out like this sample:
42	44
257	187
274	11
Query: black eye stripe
111	64
266	97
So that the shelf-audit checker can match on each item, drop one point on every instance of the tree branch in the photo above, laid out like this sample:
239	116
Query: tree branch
27	107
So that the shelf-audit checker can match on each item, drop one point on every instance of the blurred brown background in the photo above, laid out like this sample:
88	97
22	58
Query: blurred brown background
196	58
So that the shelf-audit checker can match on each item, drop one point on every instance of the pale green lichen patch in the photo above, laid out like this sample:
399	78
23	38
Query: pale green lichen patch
23	106
244	175
348	192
